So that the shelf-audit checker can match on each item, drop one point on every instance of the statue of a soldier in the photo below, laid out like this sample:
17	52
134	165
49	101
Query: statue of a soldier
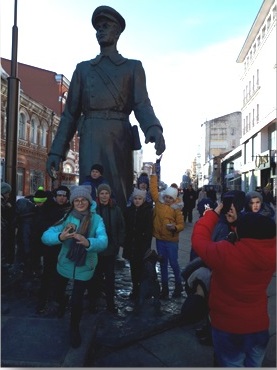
102	94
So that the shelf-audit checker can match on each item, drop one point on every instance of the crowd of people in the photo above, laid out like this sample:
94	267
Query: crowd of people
75	234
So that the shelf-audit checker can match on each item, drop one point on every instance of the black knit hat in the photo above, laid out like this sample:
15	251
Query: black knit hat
97	167
40	195
143	178
255	226
237	197
62	190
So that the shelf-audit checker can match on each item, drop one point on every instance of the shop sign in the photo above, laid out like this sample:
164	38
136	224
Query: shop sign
262	160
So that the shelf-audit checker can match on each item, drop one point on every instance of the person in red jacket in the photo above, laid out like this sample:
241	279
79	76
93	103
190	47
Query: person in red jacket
241	273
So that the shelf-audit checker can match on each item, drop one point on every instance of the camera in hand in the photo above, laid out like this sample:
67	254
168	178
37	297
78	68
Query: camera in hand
227	203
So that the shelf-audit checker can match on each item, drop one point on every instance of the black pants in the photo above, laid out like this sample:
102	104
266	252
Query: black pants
104	276
79	288
49	275
136	267
187	212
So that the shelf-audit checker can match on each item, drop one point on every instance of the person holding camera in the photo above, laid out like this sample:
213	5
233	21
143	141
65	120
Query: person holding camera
83	235
197	275
241	273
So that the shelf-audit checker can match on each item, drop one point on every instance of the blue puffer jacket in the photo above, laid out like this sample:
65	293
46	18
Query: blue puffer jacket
98	242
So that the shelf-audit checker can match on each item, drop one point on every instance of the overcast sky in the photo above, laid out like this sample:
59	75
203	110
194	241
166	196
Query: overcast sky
188	49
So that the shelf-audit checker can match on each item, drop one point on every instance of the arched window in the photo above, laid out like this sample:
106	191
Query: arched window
22	126
43	135
33	131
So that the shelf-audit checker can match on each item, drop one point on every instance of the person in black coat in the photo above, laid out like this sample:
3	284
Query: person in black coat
105	270
53	210
189	199
139	225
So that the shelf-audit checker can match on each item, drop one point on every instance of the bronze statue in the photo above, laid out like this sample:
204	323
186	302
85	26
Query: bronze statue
102	94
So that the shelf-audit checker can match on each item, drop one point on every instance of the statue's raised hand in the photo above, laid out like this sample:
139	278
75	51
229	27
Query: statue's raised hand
155	135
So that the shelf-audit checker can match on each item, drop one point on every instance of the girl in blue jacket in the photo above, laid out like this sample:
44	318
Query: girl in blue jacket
83	235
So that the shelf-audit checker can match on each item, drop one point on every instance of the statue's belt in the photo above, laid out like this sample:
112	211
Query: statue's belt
106	114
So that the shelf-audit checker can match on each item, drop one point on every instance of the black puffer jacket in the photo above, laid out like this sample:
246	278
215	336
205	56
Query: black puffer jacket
139	226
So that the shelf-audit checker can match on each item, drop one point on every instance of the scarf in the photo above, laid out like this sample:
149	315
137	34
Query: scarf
77	252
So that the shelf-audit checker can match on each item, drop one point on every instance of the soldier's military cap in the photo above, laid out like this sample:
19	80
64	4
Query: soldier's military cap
110	13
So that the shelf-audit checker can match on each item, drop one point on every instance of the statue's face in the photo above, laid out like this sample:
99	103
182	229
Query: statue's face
107	32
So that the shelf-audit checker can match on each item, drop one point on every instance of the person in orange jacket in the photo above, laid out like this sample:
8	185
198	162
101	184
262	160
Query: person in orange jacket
168	222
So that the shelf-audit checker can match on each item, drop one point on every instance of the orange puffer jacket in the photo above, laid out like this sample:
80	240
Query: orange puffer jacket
164	214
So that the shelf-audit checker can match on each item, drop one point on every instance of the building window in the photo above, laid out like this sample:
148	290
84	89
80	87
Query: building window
246	123
263	32
253	83
259	40
258	78
43	135
36	180
33	131
253	118
20	181
268	22
22	126
258	113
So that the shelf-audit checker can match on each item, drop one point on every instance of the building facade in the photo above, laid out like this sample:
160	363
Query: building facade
218	137
41	103
255	158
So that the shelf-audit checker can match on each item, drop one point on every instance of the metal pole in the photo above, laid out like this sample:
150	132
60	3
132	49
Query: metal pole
12	115
11	136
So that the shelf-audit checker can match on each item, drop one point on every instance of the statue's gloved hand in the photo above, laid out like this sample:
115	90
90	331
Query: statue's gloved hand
154	135
53	164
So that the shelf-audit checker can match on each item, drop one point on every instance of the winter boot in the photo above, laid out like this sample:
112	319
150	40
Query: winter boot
165	292
178	290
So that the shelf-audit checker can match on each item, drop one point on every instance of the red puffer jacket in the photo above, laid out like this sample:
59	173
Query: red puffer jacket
241	274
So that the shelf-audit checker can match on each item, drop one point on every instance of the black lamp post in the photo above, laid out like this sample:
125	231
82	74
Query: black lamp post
12	114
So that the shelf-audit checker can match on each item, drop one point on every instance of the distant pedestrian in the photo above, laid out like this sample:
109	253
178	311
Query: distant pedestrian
105	270
83	235
241	274
189	199
201	194
139	227
211	193
267	195
168	223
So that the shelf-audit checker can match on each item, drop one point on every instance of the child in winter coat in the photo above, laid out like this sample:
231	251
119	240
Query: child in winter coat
138	221
83	235
167	224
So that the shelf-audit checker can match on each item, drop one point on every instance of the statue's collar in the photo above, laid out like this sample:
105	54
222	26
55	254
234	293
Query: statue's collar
115	57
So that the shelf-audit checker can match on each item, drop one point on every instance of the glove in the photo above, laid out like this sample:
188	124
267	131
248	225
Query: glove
53	164
154	135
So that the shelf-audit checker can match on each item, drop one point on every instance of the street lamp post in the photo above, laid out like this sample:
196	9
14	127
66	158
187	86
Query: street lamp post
12	114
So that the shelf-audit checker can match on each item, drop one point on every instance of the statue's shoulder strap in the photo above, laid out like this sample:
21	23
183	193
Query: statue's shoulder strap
109	82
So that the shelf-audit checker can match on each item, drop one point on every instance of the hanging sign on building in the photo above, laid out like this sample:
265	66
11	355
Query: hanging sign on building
262	161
